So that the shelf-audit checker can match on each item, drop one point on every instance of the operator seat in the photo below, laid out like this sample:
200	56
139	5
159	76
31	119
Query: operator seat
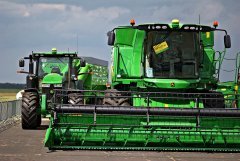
56	70
189	62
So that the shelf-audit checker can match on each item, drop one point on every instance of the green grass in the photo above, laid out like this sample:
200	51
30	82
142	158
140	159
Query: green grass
8	94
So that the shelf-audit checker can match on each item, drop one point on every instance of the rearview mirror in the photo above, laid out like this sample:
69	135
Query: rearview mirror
227	41
21	63
83	63
111	37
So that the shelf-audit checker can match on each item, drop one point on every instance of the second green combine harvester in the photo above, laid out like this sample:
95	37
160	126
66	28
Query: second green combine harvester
164	95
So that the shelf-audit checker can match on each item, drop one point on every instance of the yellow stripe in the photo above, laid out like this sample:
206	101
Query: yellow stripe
165	105
207	35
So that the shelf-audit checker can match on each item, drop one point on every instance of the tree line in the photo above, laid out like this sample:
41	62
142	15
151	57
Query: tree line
12	86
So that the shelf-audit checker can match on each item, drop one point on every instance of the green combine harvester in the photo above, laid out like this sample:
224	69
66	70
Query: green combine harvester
58	70
165	94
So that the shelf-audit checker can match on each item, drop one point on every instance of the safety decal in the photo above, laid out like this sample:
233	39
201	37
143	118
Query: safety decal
159	48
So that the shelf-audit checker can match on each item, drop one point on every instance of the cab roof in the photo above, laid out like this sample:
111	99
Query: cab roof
54	53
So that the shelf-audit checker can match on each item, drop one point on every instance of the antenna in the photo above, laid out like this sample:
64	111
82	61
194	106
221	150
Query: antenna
199	19
199	37
199	34
77	43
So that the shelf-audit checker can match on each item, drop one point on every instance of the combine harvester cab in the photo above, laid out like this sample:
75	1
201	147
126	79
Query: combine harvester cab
165	95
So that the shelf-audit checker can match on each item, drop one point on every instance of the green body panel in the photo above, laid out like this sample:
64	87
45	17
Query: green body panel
48	137
128	56
208	68
95	77
208	39
84	70
52	78
44	104
99	77
86	77
47	67
171	83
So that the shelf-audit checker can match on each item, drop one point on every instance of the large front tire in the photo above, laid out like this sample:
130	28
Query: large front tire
214	100
113	98
30	103
75	98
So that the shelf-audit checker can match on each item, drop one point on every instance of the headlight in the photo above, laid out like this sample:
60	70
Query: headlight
54	85
57	85
45	85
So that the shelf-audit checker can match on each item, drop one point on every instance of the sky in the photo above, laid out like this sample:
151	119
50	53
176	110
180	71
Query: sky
74	25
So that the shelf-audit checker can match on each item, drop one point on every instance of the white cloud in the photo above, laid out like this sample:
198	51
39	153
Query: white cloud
26	14
63	18
12	9
43	7
43	24
25	10
109	14
188	11
71	11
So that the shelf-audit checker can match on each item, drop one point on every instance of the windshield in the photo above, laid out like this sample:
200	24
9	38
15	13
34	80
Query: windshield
172	54
48	65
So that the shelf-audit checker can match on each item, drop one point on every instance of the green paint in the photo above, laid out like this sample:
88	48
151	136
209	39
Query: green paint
128	54
188	65
171	83
126	133
48	137
130	57
63	70
44	104
52	78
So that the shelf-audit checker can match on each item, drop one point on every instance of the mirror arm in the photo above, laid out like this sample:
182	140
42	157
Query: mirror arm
22	71
221	30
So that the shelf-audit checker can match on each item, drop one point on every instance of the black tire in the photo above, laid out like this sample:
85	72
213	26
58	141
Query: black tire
112	98
75	98
30	103
214	100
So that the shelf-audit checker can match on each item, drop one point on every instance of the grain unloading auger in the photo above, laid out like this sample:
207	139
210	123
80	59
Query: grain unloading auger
164	95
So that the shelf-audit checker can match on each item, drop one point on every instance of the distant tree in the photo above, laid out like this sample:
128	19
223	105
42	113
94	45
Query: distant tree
12	86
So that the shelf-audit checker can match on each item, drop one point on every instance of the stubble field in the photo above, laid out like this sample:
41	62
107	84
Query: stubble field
8	94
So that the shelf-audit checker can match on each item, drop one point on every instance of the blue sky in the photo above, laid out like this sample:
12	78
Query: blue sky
28	25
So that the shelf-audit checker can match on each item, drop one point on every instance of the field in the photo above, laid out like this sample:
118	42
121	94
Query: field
8	94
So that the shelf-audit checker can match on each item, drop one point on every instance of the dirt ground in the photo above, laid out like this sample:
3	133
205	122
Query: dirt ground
27	145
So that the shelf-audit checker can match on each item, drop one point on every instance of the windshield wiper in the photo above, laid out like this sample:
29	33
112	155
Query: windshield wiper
61	60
